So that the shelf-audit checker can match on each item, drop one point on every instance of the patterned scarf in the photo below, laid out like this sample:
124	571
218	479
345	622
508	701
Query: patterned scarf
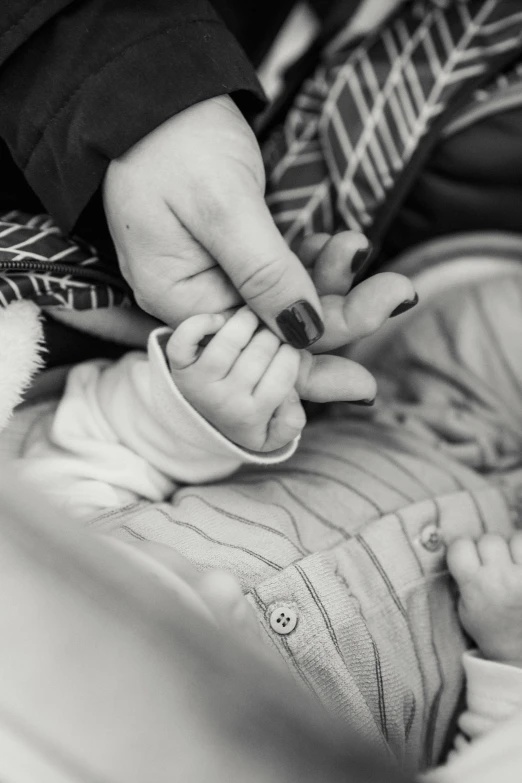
39	263
344	148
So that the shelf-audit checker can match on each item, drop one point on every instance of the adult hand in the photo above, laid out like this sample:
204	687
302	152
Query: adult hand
187	214
186	210
350	313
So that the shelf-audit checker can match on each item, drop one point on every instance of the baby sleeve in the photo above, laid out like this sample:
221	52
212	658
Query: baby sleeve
124	431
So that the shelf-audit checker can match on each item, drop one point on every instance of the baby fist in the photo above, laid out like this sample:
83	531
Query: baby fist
488	574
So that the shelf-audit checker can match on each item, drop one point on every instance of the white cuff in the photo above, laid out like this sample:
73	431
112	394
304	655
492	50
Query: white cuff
493	689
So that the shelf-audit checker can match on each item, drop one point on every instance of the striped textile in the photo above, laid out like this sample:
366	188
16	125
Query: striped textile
29	244
357	123
351	531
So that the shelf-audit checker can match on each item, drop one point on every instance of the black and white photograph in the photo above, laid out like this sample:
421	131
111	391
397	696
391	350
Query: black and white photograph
261	391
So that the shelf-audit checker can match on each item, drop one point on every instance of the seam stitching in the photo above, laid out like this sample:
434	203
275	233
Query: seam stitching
27	162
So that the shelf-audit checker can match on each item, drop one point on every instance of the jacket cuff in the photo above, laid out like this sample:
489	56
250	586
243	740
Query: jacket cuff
171	404
156	77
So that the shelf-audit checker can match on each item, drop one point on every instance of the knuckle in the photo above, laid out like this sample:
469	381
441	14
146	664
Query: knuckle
268	343
290	357
264	279
491	542
143	300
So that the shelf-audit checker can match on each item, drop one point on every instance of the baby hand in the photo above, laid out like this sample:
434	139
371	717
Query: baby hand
488	574
242	381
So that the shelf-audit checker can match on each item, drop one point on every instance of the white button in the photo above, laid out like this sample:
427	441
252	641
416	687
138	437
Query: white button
431	538
283	619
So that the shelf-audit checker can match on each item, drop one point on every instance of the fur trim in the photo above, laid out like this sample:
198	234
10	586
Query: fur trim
21	346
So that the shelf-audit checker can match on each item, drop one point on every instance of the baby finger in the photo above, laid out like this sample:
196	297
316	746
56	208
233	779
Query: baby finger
493	550
286	424
183	348
463	560
279	379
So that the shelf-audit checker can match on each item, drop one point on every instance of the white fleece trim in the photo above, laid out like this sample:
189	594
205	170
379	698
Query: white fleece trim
21	345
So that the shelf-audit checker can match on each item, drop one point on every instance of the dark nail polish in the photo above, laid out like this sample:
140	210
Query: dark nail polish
368	403
300	324
360	259
405	306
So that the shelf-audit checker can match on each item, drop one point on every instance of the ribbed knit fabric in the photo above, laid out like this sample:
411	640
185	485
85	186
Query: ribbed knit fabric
351	531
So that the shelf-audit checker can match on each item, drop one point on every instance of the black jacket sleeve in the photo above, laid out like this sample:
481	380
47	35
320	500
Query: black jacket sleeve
82	81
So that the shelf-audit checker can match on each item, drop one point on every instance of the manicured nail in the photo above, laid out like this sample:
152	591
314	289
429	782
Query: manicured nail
300	324
405	306
363	402
360	258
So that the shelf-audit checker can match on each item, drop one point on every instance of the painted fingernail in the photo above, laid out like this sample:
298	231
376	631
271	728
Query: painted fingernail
405	306
360	259
368	403
300	324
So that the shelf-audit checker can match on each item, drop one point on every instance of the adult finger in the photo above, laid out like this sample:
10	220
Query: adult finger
311	247
327	378
270	278
341	259
364	310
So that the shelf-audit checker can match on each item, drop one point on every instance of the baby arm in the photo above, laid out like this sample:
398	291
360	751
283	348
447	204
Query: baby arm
135	427
242	382
132	428
488	574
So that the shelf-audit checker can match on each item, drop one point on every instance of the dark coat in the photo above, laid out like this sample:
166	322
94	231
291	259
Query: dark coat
81	82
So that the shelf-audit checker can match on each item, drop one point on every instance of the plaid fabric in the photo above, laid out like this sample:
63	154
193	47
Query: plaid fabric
358	122
38	262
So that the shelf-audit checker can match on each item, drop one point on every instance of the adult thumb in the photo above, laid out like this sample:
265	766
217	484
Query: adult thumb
270	278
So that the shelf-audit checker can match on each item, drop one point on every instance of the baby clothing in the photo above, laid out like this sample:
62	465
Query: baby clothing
340	550
121	432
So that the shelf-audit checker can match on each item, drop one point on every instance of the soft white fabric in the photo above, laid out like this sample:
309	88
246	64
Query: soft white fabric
123	431
494	694
490	746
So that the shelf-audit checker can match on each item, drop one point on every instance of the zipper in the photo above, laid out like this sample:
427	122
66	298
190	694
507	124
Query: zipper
63	269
